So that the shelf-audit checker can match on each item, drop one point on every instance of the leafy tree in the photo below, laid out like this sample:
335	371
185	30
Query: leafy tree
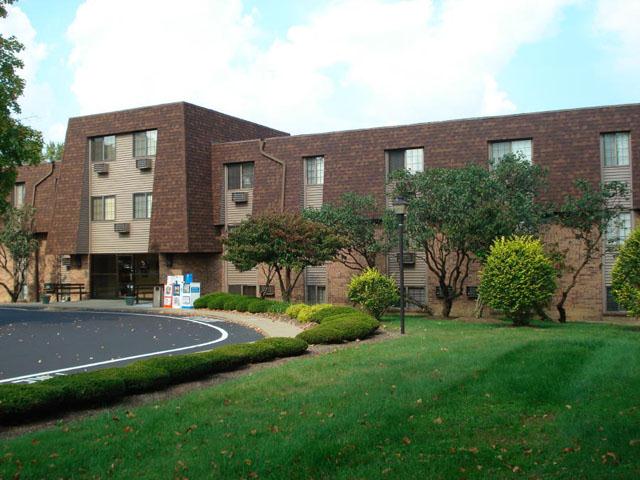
587	216
626	275
53	152
19	144
454	215
286	242
352	221
17	245
374	291
518	278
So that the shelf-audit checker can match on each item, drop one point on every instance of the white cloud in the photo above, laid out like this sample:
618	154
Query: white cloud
617	21
38	98
351	63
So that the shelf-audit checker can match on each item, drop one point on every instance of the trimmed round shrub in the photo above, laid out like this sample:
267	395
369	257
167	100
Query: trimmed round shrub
341	328
373	291
258	305
518	278
626	275
242	303
293	310
326	313
203	301
304	315
216	302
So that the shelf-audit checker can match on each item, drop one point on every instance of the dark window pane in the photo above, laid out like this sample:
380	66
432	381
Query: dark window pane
612	304
139	205
247	175
311	294
97	210
96	149
140	144
109	148
249	290
396	160
237	289
320	294
233	176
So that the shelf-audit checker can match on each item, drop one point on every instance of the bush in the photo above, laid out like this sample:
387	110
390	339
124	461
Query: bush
216	302
518	278
326	313
373	291
278	307
257	305
22	402
341	328
626	275
294	309
304	315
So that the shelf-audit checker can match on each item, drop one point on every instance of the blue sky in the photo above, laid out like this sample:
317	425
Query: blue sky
325	65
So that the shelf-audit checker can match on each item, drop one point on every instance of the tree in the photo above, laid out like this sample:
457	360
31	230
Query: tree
17	245
53	152
286	242
518	278
454	215
352	221
626	275
374	291
19	144
587	216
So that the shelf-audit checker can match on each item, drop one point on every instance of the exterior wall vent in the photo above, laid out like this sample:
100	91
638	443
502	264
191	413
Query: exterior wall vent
409	258
267	290
101	168
240	197
122	227
143	163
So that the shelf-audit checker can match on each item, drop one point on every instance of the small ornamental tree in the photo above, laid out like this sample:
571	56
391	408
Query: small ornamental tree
284	242
587	216
518	279
17	246
373	291
626	275
353	222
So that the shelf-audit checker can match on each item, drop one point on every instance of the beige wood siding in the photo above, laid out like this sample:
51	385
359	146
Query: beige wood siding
123	180
315	275
414	275
236	277
313	196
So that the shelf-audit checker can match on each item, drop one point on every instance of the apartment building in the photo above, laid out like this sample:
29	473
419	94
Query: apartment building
146	192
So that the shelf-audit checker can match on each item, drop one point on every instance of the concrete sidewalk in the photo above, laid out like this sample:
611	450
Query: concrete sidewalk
269	327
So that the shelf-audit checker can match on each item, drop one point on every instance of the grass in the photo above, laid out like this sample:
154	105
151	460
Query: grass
448	400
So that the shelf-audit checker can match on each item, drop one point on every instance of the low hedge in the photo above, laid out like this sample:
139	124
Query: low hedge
304	315
294	310
341	328
20	402
241	303
323	314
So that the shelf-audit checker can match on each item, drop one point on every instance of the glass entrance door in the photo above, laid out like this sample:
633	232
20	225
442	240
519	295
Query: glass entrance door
114	276
125	275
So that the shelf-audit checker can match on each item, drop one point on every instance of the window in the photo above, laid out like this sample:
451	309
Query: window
500	149
411	159
316	294
615	149
103	149
142	205
246	290
612	304
315	170
144	143
103	208
19	192
239	175
417	294
619	229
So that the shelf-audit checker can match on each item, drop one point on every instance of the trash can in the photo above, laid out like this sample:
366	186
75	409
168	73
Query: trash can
44	298
157	296
130	300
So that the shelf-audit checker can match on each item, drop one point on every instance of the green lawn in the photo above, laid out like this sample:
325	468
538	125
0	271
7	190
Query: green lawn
449	400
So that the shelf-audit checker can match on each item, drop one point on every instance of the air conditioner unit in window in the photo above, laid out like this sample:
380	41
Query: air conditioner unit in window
439	293
240	197
65	260
144	163
267	290
409	258
472	291
122	227
101	168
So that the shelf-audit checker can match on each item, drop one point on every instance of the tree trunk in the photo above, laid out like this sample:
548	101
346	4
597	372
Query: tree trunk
560	306
447	303
478	311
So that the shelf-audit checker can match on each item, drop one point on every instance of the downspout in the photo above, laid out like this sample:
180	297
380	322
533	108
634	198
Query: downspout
284	171
36	270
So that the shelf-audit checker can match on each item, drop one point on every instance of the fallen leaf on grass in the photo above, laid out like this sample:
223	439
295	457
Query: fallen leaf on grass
438	421
406	440
634	442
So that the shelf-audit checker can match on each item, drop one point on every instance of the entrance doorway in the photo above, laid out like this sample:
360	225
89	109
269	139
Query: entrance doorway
116	275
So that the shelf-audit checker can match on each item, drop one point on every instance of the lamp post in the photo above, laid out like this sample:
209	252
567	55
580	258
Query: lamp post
400	209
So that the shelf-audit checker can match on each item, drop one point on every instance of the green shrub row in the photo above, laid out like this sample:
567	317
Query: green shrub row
241	303
341	327
317	313
20	402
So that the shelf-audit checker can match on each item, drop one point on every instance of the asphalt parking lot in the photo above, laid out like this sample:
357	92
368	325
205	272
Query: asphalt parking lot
39	343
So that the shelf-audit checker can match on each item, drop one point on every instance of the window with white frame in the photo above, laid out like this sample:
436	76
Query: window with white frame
517	147
316	294
615	149
144	143
19	194
239	175
103	149
619	229
142	205
410	159
103	208
315	170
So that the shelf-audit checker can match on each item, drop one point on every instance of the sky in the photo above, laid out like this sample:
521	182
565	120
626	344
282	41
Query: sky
312	66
